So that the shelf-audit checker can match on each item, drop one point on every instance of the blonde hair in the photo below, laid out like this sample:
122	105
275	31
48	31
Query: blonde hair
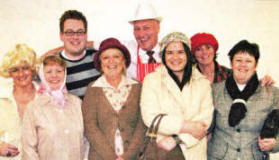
20	55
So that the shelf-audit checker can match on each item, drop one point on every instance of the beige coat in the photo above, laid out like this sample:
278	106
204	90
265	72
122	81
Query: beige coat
53	133
160	94
10	122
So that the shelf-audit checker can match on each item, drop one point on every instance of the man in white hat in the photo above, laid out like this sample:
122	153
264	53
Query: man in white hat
145	52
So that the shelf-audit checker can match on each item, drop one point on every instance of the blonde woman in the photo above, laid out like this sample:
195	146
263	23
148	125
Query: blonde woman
19	64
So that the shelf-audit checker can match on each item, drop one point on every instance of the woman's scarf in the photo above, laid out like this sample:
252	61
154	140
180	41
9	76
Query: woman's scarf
238	108
57	95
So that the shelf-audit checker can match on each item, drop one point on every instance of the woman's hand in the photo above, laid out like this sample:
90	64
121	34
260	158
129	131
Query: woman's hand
167	143
8	150
266	144
197	129
267	81
90	44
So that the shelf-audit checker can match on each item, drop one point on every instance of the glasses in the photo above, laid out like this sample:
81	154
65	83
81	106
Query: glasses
71	33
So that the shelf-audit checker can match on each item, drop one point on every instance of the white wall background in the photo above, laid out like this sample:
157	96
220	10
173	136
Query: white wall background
36	23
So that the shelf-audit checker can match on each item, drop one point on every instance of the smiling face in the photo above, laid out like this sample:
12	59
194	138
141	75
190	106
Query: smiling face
112	62
146	33
176	58
54	75
204	54
22	75
74	37
244	66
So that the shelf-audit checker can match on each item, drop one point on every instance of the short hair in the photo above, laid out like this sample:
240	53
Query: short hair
20	55
72	14
245	46
54	59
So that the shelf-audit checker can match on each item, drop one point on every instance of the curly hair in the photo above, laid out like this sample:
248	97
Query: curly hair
20	55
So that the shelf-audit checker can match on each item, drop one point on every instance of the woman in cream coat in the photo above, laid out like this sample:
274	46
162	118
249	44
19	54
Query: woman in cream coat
18	64
183	94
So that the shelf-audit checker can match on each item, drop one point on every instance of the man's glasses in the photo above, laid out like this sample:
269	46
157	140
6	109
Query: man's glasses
70	33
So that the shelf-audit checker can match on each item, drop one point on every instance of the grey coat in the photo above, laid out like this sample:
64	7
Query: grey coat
240	142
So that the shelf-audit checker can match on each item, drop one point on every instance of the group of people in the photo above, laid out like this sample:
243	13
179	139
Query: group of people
98	104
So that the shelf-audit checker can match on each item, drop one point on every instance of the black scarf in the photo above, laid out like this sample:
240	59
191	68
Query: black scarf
238	108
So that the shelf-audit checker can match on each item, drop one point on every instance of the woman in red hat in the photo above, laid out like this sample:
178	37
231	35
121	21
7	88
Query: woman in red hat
111	112
204	47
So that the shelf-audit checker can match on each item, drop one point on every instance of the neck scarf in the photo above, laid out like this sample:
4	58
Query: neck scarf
57	95
238	108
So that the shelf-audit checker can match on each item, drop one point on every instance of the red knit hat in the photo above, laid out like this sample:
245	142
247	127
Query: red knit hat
111	43
203	38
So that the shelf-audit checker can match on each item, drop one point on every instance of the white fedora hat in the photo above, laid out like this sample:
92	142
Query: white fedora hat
145	11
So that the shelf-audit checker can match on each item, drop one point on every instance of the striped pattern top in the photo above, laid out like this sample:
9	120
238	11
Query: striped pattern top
80	73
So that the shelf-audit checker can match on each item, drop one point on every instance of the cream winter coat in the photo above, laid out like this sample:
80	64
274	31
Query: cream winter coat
160	94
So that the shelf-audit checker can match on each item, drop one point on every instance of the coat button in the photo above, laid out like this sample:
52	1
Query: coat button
238	149
238	130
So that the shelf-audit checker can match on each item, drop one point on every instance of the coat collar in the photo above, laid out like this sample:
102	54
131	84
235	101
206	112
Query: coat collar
166	77
45	100
170	88
102	82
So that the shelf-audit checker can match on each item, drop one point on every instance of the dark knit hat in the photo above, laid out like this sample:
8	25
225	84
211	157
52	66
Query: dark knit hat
203	38
111	43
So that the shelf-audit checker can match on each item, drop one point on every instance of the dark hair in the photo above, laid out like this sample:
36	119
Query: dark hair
187	70
245	46
72	14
